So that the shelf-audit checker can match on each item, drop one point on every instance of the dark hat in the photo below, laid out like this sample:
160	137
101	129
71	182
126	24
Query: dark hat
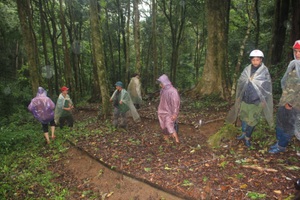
119	83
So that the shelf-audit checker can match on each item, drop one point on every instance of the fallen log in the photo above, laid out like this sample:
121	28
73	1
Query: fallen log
261	169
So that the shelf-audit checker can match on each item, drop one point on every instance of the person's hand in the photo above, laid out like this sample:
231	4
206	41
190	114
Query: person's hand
174	117
288	106
121	102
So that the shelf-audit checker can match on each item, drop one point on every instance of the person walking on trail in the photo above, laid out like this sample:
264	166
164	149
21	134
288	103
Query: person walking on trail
168	108
254	97
134	89
63	110
42	108
288	112
122	105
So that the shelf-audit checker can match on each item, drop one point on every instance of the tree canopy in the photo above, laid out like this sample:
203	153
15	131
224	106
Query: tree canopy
53	43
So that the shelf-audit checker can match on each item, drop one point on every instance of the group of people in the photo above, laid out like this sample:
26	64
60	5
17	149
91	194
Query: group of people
254	98
45	111
168	108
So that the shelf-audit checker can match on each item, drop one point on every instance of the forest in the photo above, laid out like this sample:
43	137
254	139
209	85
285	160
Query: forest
89	45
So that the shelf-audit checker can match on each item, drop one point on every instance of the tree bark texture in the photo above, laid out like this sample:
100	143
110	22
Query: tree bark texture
154	43
26	21
67	64
127	44
213	81
279	33
137	36
237	70
99	55
295	32
175	12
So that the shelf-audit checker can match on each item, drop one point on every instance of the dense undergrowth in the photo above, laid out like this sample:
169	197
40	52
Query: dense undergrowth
24	162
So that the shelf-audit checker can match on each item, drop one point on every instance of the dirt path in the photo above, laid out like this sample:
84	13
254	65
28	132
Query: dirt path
107	182
191	170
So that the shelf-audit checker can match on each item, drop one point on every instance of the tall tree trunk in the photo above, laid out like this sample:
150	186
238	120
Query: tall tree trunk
295	31
213	81
127	44
67	64
175	12
26	21
74	32
99	55
137	36
52	33
278	33
154	43
237	70
47	67
110	42
257	33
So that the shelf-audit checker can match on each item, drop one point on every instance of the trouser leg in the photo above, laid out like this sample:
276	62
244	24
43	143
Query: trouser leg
61	122
283	138
70	121
123	122
244	126
116	117
249	131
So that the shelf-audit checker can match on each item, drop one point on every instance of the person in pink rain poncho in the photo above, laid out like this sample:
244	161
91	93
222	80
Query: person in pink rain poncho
42	108
168	108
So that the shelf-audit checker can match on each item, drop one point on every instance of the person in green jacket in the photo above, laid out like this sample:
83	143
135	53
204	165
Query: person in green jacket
122	105
63	109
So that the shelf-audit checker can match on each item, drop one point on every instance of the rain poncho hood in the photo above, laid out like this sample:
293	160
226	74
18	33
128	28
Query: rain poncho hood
42	107
125	98
261	82
134	89
163	79
59	106
169	104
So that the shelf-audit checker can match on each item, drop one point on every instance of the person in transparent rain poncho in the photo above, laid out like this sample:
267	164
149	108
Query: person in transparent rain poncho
288	112
254	97
64	107
168	108
134	89
122	105
42	108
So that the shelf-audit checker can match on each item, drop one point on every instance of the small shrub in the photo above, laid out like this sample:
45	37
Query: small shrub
228	131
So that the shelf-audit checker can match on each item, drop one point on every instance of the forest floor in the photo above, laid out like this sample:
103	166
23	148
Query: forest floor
137	163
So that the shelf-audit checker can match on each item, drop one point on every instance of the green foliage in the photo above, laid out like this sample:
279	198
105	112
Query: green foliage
211	101
14	99
255	195
263	134
187	183
23	166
